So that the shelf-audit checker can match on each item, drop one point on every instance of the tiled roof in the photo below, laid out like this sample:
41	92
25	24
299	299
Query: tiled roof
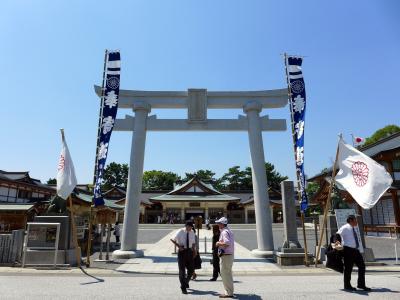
209	193
14	207
194	198
88	198
22	177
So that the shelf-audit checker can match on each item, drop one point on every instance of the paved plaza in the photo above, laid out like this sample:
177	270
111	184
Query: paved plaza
384	286
155	275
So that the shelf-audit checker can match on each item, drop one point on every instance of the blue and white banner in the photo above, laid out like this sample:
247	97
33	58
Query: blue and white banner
298	108
109	107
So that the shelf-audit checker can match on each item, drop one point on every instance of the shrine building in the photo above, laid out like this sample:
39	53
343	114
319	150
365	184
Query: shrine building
196	198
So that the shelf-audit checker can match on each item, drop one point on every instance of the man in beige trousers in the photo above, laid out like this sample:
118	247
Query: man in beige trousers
226	246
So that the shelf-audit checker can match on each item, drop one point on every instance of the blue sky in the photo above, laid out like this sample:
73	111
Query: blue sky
51	55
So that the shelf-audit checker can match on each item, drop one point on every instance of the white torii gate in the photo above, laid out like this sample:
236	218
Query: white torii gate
197	101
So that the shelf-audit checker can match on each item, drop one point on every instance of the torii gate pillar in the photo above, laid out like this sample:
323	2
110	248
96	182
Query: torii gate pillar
265	239
135	176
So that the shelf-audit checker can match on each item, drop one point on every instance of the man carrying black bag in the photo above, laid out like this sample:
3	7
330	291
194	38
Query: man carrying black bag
186	242
352	254
334	254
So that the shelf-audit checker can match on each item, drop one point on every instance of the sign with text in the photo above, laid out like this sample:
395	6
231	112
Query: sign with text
42	235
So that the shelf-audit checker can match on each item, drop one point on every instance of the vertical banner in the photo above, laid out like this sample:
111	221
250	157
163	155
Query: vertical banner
297	95
108	113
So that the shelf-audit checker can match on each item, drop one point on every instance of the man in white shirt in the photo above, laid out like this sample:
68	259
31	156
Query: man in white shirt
226	248
185	240
352	249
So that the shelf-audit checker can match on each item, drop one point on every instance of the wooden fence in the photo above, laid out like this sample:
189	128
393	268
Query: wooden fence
11	247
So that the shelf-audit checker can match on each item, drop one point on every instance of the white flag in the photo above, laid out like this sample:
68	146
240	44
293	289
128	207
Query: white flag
66	179
361	176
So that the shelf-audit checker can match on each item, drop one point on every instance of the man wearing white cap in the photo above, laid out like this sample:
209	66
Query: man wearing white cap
226	245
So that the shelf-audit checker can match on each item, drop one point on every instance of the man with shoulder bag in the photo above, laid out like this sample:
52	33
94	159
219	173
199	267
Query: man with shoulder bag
185	240
352	249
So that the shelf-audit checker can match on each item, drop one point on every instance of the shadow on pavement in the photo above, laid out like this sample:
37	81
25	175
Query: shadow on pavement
384	290
265	260
377	290
98	280
202	293
213	293
247	296
198	279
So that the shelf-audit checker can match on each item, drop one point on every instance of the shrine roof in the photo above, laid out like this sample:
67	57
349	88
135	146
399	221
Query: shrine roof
89	198
194	190
22	178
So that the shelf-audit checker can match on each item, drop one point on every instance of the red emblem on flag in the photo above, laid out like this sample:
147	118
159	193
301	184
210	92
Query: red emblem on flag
61	163
360	173
359	140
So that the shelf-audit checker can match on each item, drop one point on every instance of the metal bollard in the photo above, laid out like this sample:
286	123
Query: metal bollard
205	245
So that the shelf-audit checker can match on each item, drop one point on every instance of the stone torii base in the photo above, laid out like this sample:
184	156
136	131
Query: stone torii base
291	253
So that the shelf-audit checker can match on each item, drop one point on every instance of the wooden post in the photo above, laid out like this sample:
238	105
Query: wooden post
108	241
96	159
102	229
327	204
74	233
305	240
89	242
396	207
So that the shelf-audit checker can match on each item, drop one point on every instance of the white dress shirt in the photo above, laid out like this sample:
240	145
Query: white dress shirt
181	237
348	240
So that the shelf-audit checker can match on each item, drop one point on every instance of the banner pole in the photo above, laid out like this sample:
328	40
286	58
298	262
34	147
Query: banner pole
74	233
327	204
297	173
96	159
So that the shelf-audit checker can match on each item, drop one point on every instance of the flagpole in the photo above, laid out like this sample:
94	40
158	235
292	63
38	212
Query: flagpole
96	159
297	173
74	232
328	202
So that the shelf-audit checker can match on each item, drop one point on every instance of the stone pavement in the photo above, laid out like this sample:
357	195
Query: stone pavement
161	259
328	286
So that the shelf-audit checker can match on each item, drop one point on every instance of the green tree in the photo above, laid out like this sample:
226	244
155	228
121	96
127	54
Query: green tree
382	133
273	176
233	179
312	189
236	179
159	180
52	181
115	175
206	176
338	202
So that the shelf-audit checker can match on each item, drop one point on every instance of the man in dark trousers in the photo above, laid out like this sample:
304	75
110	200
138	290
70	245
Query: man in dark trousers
352	254
215	259
186	242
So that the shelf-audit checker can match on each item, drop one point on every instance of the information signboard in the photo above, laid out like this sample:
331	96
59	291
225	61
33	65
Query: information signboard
341	219
42	236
